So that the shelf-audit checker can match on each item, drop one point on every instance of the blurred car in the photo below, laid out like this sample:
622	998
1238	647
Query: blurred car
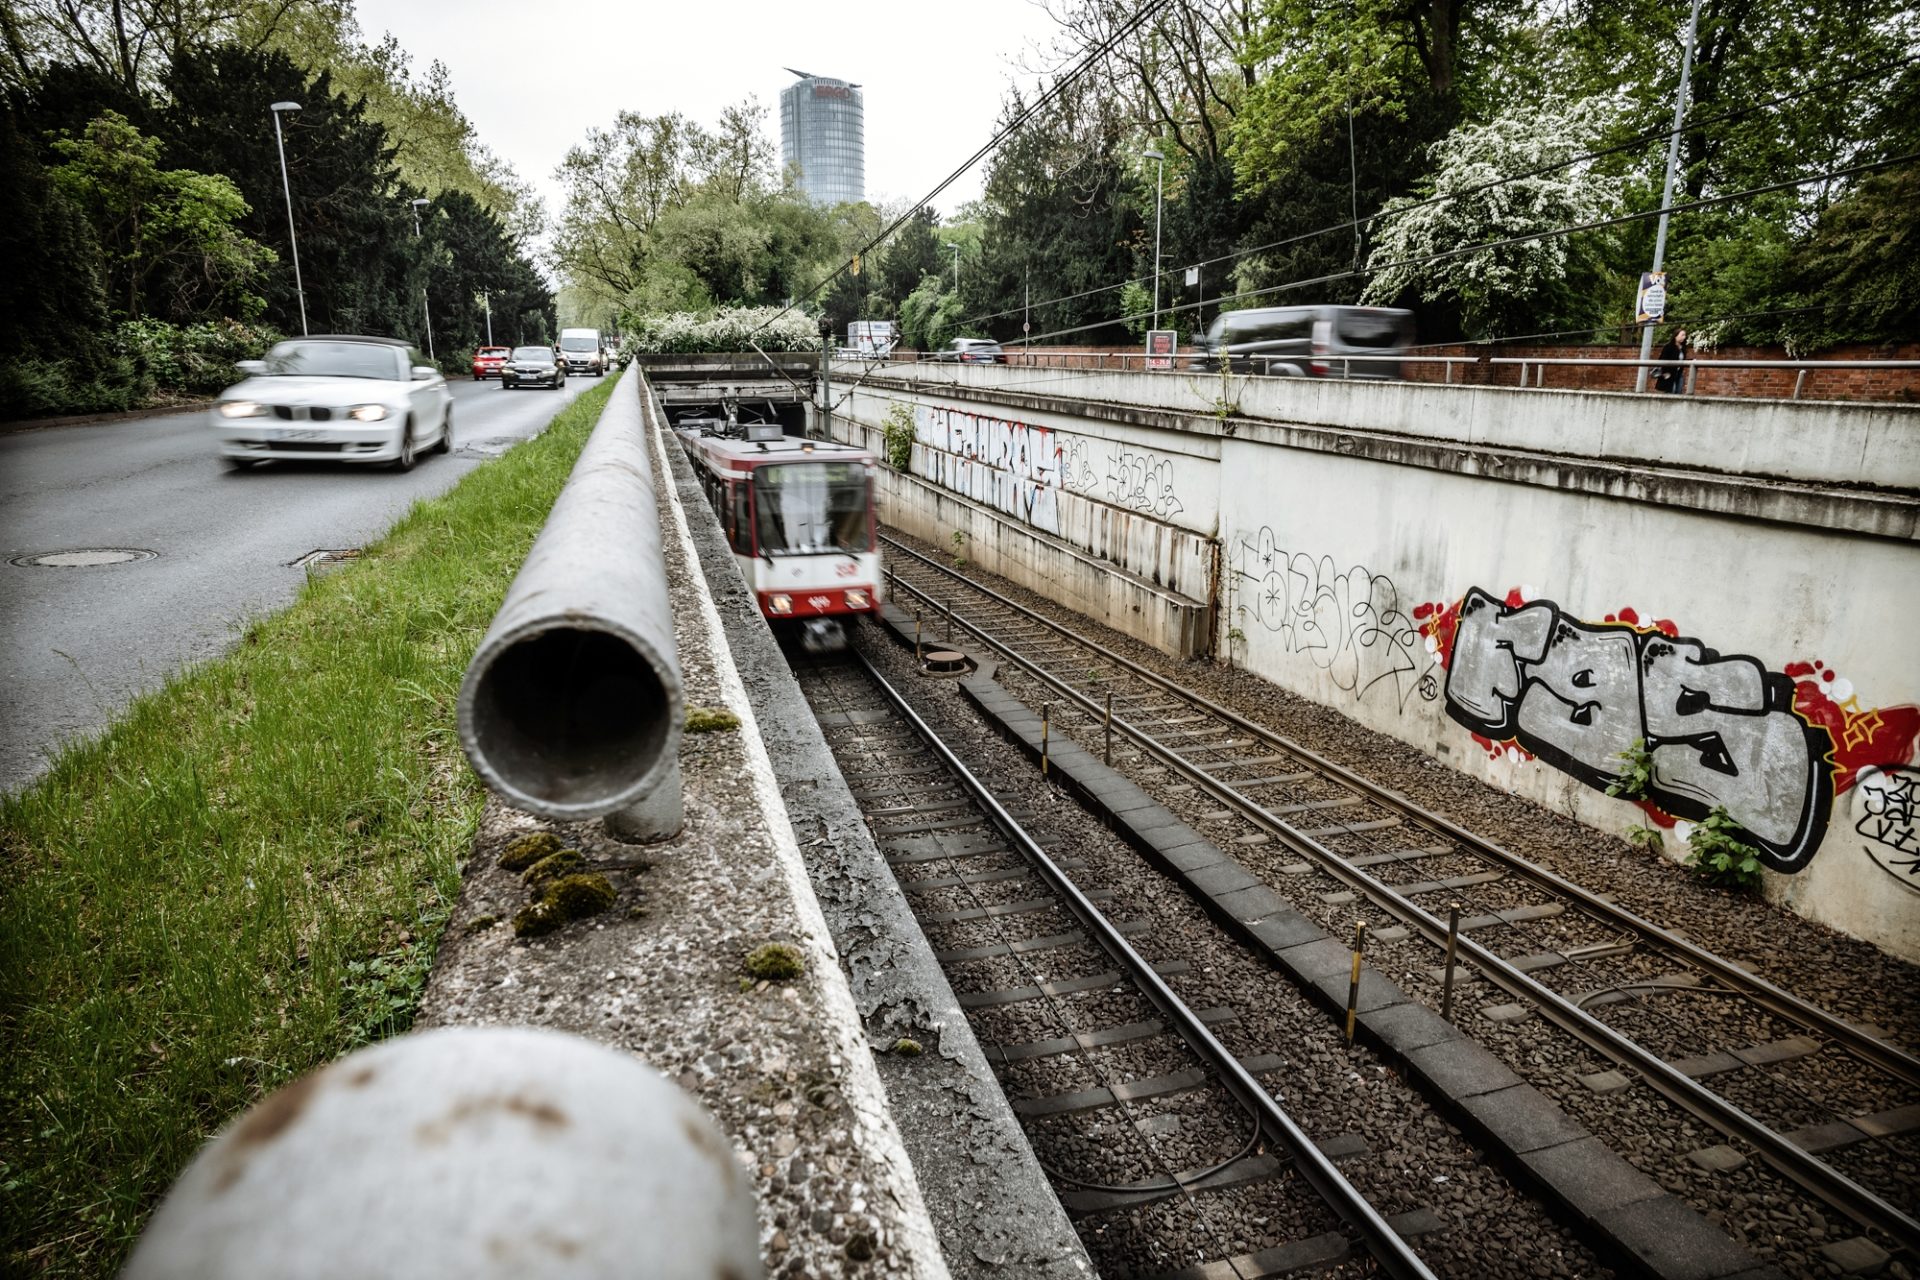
335	398
487	361
1306	342
972	351
533	366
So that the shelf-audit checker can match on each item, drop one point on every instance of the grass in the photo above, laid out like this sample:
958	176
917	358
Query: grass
246	876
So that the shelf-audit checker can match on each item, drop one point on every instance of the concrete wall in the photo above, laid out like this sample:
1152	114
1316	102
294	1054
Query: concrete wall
1524	583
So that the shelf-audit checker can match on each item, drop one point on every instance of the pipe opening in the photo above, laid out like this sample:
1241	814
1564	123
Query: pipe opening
571	716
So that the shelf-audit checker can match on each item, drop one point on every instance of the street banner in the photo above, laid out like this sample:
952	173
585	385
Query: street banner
1653	298
1161	344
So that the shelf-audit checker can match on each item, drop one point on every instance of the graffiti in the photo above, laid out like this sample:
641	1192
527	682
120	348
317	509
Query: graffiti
1349	624
1010	466
1141	482
1722	732
1886	802
1862	736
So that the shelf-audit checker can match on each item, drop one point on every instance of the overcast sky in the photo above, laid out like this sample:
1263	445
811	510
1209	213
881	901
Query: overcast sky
534	76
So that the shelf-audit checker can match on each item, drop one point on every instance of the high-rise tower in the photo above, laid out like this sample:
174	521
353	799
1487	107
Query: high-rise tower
823	132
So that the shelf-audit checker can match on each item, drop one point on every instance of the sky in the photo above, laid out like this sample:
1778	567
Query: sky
533	77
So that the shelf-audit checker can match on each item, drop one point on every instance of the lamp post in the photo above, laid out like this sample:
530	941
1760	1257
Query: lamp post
1159	191
955	246
486	300
1666	196
286	189
425	309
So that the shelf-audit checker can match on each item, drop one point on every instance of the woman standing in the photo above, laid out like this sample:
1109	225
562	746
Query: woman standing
1673	357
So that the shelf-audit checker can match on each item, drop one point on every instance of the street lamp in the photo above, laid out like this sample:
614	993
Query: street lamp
486	300
286	189
1666	195
955	246
425	310
1159	190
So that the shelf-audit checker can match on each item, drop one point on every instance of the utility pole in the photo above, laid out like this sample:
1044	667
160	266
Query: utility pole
287	190
826	378
1666	195
425	309
486	300
1159	193
955	246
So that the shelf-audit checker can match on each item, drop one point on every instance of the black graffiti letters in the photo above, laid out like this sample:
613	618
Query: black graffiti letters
1721	731
1886	798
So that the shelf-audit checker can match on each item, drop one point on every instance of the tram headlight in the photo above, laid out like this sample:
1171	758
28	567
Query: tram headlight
780	602
858	599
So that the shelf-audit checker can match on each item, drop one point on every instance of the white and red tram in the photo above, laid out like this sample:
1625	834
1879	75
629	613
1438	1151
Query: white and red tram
799	515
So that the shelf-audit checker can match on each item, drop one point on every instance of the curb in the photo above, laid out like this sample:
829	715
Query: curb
100	419
1624	1213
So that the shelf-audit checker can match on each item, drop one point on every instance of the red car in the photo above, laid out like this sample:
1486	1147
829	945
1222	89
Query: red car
487	361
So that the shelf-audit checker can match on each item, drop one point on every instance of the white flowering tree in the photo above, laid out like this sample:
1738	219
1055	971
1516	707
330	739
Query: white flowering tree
1426	250
726	329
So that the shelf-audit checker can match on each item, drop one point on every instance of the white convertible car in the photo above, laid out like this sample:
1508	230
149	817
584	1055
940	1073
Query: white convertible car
333	398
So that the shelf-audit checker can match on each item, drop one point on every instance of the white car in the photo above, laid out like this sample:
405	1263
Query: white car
335	398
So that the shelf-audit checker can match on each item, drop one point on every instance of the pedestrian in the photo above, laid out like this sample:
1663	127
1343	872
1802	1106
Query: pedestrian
1672	358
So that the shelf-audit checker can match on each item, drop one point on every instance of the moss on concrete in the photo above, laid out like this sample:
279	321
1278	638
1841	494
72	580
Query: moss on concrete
775	962
711	720
550	868
566	898
523	851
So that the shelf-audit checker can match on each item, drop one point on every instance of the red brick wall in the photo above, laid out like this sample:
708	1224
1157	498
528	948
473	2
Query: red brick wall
1901	385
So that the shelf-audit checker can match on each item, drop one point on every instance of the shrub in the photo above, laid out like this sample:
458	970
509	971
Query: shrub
727	329
898	425
1719	855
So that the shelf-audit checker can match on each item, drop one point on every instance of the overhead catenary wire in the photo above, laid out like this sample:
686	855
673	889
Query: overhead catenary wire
1006	131
1639	140
1504	242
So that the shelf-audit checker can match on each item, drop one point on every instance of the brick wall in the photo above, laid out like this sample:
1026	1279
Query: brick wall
1901	385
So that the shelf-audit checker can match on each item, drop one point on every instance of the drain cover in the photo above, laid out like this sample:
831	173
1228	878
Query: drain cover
322	558
945	661
84	558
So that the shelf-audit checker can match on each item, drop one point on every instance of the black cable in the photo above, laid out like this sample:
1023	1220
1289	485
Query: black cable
1059	87
1524	238
1657	135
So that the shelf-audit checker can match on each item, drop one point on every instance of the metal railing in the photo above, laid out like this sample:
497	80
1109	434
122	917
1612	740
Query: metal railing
1532	369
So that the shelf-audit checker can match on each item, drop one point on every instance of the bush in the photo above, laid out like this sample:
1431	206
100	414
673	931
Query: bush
194	359
727	329
31	387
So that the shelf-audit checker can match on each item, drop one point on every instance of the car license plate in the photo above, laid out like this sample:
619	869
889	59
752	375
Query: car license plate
298	435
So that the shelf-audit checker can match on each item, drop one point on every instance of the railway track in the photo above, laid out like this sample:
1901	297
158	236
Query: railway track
1059	995
1829	1105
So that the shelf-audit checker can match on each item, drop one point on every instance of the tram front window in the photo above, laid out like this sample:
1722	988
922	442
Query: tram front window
809	507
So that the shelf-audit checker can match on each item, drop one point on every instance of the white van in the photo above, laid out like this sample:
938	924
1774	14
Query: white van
584	350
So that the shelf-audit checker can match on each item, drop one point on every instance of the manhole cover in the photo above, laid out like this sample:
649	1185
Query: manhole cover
84	558
945	661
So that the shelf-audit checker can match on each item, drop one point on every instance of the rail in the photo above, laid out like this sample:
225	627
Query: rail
572	706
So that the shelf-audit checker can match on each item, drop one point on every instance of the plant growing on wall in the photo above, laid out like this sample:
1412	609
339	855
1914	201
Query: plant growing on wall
897	428
1719	856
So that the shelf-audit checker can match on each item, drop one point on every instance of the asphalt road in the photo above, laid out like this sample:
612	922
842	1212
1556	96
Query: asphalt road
77	643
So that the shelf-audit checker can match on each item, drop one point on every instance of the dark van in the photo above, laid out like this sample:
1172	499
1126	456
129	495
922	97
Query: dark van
1306	342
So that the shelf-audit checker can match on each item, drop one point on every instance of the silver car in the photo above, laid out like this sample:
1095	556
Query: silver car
335	398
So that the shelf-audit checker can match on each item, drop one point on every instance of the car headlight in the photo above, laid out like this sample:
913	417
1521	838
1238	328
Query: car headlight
367	412
241	409
781	603
858	599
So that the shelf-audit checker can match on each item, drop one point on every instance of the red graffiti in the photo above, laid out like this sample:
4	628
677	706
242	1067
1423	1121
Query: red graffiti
1861	737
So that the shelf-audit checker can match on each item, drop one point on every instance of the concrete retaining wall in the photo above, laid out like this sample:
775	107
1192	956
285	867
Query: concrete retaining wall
1526	583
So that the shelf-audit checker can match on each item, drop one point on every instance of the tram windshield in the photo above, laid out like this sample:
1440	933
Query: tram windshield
809	507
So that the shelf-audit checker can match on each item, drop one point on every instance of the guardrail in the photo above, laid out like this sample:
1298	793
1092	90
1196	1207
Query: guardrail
572	706
1532	369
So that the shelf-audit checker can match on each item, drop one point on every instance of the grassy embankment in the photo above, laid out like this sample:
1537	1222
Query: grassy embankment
246	876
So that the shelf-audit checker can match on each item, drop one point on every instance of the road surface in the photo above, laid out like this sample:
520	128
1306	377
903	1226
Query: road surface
77	643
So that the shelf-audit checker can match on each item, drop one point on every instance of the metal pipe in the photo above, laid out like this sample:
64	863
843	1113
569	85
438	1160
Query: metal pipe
1453	944
572	706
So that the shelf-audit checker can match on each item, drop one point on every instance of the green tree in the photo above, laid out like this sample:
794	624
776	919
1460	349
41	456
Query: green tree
154	222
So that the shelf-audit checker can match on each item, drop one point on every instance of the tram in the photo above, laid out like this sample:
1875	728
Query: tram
799	515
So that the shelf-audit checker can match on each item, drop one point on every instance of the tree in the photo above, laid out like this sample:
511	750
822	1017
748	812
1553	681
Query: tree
52	298
151	222
1428	249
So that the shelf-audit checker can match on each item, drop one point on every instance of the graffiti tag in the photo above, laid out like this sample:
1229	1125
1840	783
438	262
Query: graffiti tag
1142	482
1886	799
1349	624
1721	731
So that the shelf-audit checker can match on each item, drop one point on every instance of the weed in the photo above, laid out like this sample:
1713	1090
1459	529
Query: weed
959	540
1644	837
190	915
1720	856
897	430
1637	778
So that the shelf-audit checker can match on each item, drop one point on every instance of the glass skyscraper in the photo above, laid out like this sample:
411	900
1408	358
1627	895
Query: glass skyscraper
823	132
